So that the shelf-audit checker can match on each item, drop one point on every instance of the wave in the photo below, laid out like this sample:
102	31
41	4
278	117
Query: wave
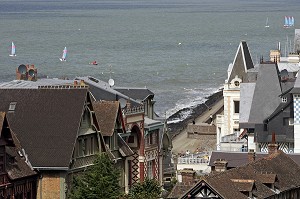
184	107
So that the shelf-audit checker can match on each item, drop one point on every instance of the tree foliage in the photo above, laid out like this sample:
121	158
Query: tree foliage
100	180
149	189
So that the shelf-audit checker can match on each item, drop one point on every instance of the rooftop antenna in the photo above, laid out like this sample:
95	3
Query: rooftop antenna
111	82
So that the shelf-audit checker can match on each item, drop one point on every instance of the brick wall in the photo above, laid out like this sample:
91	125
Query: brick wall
49	186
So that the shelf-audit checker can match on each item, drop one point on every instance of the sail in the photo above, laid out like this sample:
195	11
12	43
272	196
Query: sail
64	55
292	21
13	49
286	21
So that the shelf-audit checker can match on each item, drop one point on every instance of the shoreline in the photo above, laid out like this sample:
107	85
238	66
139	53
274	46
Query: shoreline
176	127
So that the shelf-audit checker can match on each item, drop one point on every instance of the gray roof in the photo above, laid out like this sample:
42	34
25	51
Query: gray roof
242	62
296	88
46	122
102	91
247	91
139	94
266	94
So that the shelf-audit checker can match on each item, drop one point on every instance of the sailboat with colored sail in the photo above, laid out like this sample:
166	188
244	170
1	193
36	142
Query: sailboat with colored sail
64	55
13	50
289	21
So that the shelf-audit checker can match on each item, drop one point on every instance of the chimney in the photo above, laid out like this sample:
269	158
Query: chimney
82	82
251	155
128	104
220	165
272	147
188	176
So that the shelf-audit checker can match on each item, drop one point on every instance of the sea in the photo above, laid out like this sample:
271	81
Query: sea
178	49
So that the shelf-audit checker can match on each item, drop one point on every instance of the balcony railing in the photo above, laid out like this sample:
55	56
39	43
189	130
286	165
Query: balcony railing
133	110
193	159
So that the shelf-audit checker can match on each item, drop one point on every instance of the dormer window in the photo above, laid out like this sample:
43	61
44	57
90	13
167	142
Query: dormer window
284	99
12	106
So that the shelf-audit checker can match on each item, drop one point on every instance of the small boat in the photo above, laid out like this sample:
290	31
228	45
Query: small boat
64	55
267	23
289	22
13	50
93	63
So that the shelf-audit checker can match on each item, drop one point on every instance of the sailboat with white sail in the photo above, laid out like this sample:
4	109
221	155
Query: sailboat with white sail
13	50
267	23
64	55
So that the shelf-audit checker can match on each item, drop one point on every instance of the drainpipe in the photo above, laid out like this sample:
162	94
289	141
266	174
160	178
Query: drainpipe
41	189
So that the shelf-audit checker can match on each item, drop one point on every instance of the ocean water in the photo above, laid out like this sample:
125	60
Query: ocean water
178	49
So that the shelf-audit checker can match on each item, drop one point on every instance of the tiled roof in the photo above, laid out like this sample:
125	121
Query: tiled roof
46	122
234	159
179	189
106	113
275	166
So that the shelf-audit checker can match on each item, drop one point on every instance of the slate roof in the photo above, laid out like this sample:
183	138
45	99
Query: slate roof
246	93
102	91
139	94
237	159
106	113
296	88
242	62
46	122
265	97
279	164
18	168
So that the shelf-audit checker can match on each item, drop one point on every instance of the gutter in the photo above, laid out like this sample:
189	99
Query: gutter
52	168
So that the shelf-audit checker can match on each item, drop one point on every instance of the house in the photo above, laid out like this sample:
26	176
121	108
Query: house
58	131
260	118
17	177
112	128
248	121
273	176
143	125
228	123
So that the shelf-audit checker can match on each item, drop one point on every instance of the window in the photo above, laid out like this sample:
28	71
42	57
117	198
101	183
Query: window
236	106
12	106
285	121
149	169
237	83
291	121
131	139
284	99
92	145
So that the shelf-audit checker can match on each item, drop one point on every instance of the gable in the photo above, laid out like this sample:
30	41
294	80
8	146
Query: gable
107	114
46	122
242	63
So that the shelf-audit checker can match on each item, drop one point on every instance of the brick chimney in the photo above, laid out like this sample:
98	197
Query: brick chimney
188	176
272	147
220	165
251	155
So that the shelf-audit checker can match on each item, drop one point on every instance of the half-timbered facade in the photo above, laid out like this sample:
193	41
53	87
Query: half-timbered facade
18	180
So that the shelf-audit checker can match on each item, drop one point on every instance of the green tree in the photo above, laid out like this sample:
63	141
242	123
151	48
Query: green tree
149	189
100	180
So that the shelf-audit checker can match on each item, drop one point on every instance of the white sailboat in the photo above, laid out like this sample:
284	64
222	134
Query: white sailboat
13	50
64	55
267	23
